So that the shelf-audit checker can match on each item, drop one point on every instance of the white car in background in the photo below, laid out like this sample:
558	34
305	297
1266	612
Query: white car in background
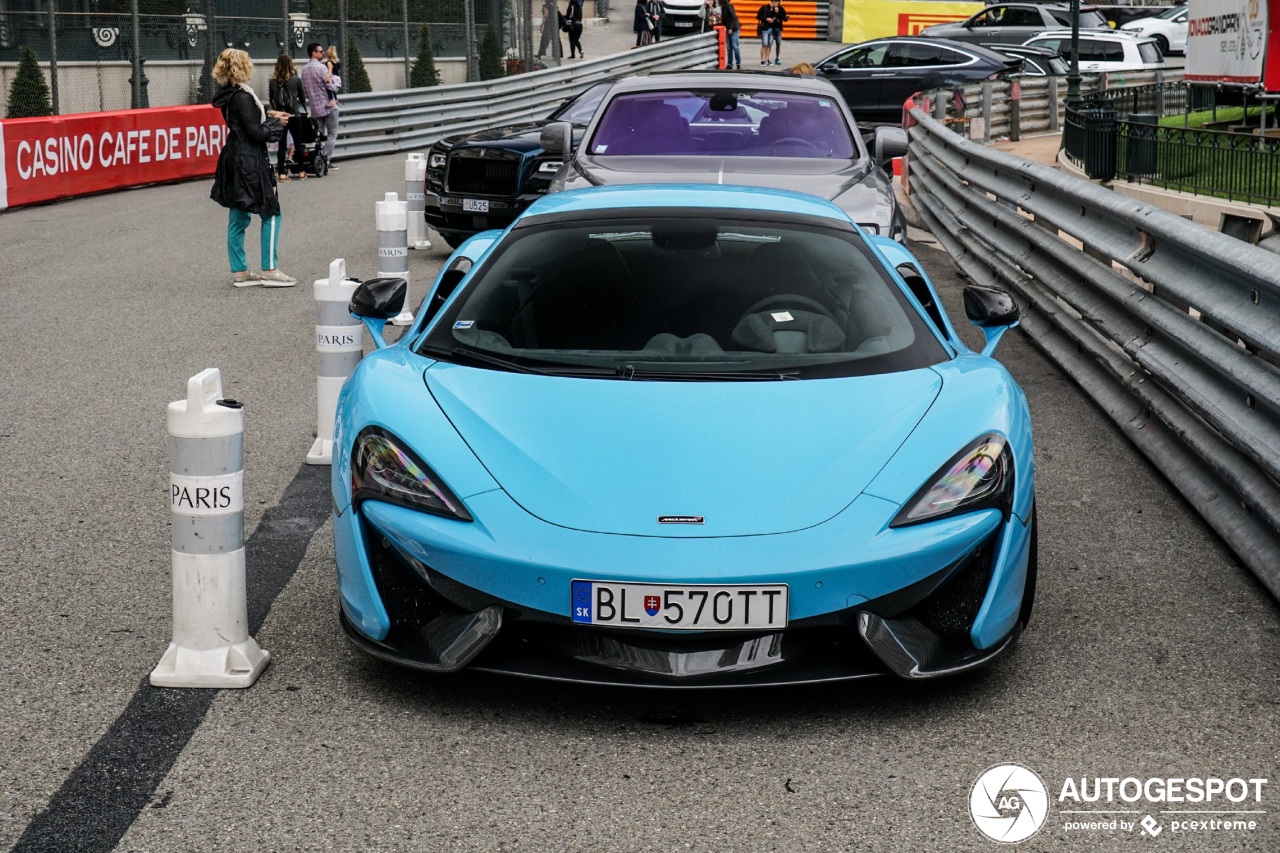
1104	52
1169	29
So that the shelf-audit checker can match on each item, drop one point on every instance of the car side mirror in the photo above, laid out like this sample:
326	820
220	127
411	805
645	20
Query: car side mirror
991	309
376	301
890	142
557	138
829	68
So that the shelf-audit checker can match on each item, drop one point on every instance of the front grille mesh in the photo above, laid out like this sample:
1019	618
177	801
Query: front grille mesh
952	609
483	176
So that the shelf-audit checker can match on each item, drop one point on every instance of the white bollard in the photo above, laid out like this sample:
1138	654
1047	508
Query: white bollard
415	194
393	247
339	348
211	644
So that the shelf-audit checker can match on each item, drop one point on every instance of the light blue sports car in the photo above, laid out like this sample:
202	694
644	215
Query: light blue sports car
689	436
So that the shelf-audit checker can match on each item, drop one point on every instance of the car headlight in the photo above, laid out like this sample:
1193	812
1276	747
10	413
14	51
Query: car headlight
977	477
437	160
1133	29
383	469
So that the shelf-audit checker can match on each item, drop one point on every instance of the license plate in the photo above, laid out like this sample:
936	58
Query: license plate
475	205
681	608
684	23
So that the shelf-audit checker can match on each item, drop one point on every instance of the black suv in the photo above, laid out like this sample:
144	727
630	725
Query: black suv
484	180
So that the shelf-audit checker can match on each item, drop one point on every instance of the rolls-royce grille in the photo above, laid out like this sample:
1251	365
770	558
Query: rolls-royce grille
483	176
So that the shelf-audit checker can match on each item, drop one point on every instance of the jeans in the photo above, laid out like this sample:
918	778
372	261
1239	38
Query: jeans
330	122
237	222
733	51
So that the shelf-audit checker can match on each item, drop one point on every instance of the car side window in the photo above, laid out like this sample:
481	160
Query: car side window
1112	51
988	17
1022	18
871	56
947	56
924	54
1055	45
1062	18
1149	53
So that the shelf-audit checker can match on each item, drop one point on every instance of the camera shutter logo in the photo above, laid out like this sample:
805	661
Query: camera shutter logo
1009	803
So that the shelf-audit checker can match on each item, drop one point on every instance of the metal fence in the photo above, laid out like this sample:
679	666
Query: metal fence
1173	329
412	119
1117	134
93	50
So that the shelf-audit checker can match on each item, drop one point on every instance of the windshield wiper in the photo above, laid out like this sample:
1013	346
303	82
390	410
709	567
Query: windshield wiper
459	355
629	371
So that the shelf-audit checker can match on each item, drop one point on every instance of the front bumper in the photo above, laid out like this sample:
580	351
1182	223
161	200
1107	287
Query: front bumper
430	602
446	214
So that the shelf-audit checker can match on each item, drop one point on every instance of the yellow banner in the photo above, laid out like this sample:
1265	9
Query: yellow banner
865	20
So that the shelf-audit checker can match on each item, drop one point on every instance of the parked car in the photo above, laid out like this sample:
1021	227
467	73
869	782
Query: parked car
876	77
484	180
680	17
1118	16
1036	61
1014	23
747	128
1110	51
696	436
1168	29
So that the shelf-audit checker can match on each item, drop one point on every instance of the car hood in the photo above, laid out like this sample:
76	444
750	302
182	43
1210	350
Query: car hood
524	138
613	456
858	190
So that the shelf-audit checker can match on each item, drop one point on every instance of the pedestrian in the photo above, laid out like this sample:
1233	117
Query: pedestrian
286	96
771	17
732	30
243	181
551	19
573	19
709	13
641	24
654	10
321	102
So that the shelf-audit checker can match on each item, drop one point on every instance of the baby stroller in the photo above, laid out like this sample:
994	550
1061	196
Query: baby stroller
308	147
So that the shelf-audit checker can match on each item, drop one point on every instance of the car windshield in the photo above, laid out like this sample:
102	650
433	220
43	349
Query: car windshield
687	295
720	122
580	109
1173	12
1091	19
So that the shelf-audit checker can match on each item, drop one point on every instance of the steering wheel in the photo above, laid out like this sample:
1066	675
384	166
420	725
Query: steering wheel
789	300
794	140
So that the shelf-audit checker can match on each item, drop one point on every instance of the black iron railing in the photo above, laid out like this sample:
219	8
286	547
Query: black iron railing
1236	166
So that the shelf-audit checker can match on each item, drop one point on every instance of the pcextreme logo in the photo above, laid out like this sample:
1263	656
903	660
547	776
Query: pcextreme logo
1009	803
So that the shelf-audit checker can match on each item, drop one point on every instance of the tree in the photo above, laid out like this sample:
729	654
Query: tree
29	94
424	71
354	76
491	55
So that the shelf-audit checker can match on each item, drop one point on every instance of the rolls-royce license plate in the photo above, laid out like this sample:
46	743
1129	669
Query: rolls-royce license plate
475	205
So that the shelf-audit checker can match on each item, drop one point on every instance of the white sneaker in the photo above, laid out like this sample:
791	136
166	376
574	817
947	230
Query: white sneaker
275	278
245	279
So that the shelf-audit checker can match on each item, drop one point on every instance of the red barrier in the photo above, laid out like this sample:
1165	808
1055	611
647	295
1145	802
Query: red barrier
45	159
722	41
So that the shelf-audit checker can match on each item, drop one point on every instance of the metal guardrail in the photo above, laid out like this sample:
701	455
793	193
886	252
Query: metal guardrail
1034	106
1173	329
412	119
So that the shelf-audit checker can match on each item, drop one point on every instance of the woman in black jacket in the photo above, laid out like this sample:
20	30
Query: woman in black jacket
573	19
244	180
287	96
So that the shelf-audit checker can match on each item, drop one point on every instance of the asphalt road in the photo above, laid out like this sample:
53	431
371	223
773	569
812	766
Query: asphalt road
1152	652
